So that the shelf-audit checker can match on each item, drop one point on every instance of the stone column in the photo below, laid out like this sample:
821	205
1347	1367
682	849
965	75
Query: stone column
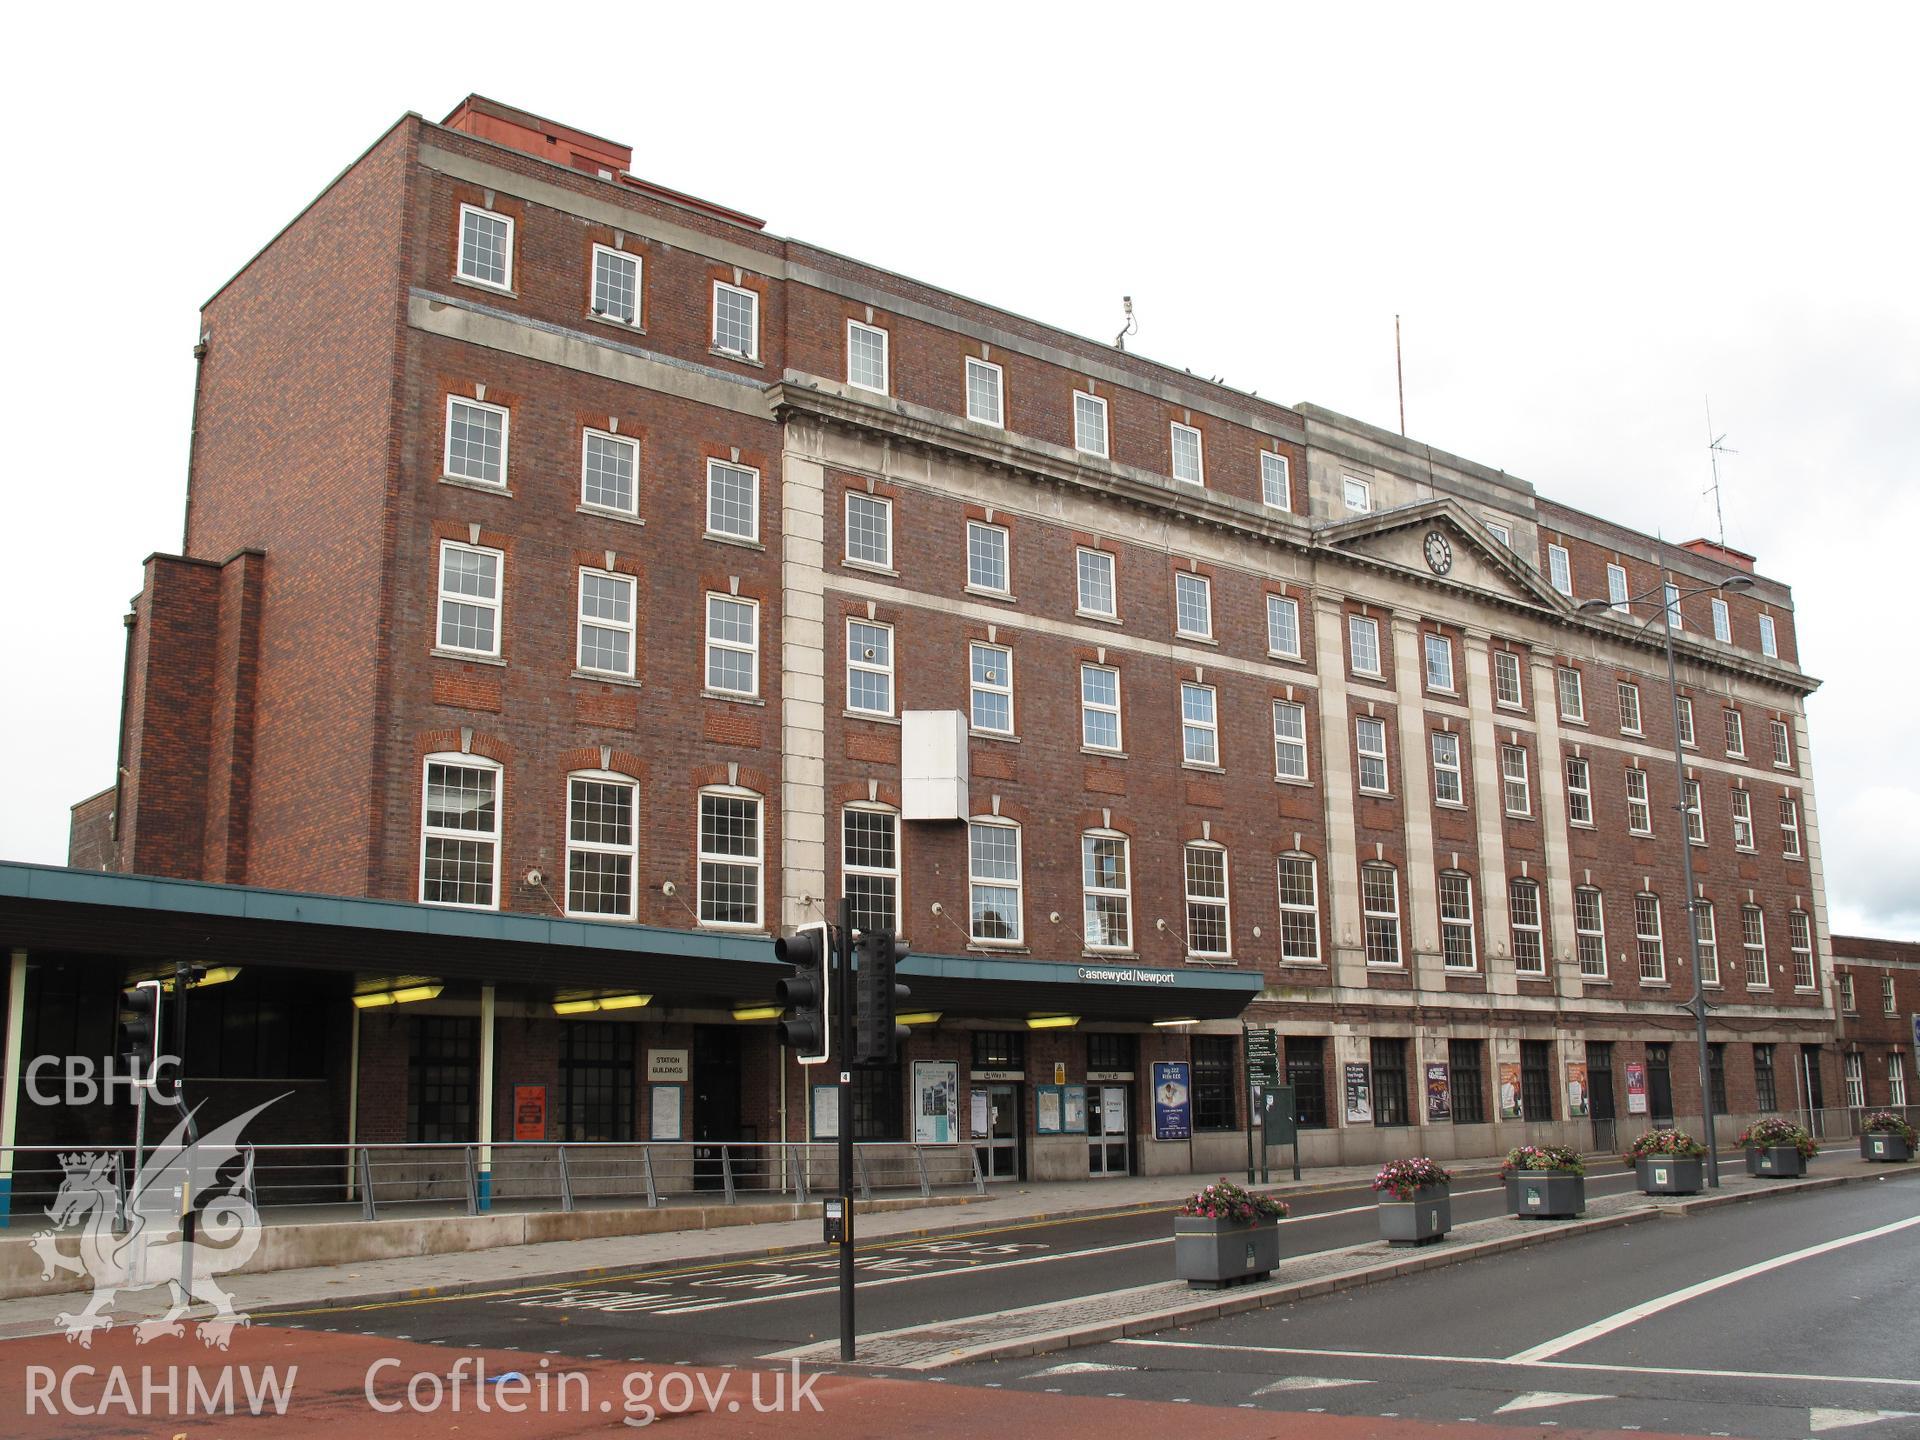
803	726
1490	815
1347	957
1421	886
1556	886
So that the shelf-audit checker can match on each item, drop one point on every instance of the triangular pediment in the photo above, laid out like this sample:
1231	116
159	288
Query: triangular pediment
1466	553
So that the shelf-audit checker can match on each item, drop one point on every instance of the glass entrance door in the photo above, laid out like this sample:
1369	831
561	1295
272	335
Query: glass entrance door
1109	1130
997	1133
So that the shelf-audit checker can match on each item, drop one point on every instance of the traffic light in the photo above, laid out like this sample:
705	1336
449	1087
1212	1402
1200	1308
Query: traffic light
805	993
140	1028
877	1036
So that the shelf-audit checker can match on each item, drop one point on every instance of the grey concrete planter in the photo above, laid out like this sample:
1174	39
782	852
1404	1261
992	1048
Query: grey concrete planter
1213	1253
1672	1174
1878	1146
1780	1161
1424	1218
1546	1194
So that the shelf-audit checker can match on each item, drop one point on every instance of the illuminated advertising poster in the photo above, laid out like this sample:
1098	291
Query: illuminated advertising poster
936	1090
1359	1078
1509	1090
1172	1101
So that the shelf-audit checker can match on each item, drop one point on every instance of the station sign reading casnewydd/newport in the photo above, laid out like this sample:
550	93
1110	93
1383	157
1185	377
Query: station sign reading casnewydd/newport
1125	975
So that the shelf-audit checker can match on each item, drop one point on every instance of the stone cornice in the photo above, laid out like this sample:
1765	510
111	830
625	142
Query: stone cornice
899	423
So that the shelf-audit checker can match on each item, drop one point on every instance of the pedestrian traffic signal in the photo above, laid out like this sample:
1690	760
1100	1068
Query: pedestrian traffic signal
806	992
877	1035
140	1029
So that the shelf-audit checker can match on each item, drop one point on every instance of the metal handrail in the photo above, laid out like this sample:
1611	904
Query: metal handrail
368	1180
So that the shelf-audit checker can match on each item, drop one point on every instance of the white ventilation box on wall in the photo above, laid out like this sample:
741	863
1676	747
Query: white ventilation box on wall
933	765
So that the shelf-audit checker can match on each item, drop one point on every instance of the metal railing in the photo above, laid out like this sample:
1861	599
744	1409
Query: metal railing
342	1182
1845	1121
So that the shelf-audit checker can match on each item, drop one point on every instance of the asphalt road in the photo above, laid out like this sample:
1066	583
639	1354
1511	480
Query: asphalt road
730	1312
1776	1320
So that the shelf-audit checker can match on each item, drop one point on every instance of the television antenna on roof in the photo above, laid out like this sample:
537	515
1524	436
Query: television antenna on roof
1716	447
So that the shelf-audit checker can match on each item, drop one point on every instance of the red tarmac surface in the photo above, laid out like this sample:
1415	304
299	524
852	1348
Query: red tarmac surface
329	1398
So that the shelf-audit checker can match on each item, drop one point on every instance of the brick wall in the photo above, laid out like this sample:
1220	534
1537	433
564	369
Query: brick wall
90	832
294	453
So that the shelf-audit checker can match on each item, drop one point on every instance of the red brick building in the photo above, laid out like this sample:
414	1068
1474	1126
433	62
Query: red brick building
559	543
1878	985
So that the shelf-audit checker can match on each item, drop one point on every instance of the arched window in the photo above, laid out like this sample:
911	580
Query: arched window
1106	882
1646	935
601	849
1299	909
1380	908
732	871
870	865
1523	909
1456	920
460	832
1707	935
1209	914
993	873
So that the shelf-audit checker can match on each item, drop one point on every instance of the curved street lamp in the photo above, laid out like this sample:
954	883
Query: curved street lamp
1670	598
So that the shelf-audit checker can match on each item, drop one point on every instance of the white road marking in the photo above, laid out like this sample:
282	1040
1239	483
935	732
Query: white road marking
1633	1314
1580	1365
666	1304
1818	1420
1306	1382
800	1351
1078	1367
703	1305
1542	1399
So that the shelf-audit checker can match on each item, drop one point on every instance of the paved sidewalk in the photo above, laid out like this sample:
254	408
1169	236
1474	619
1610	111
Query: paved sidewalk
1144	1309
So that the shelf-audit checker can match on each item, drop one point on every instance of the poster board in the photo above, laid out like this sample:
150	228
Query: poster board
1047	1104
936	1101
979	1117
1172	1100
826	1112
1576	1088
1439	1091
1358	1076
1073	1116
529	1112
1509	1089
663	1111
1636	1088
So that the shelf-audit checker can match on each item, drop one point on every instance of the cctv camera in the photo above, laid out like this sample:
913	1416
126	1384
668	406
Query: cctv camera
534	877
667	888
936	908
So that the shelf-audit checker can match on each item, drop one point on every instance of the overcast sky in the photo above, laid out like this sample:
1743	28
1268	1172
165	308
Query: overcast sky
1591	219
